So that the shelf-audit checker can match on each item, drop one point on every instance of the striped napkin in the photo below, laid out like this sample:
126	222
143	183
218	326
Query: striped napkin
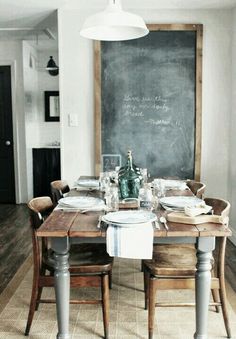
134	242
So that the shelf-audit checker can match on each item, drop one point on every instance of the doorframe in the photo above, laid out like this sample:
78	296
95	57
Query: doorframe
12	64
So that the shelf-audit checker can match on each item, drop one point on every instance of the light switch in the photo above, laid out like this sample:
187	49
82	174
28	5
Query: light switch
73	120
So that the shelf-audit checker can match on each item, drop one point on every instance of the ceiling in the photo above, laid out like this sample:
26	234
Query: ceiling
17	17
29	13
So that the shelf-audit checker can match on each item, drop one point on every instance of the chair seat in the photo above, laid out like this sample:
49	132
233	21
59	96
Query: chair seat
90	257
87	258
172	260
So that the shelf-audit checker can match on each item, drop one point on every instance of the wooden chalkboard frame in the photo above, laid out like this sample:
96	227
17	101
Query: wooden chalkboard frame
198	88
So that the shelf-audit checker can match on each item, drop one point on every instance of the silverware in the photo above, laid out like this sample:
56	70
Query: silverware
164	221
156	224
99	222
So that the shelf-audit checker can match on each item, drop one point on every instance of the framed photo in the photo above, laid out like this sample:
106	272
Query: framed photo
52	106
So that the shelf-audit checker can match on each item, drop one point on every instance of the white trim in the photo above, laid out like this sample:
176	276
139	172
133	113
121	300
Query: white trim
12	64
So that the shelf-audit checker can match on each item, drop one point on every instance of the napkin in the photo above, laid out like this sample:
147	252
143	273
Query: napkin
199	209
170	184
134	242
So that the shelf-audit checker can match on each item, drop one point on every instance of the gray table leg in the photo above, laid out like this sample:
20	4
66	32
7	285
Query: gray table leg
205	246
60	247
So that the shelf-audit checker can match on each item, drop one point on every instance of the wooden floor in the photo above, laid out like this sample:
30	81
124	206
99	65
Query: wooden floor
15	240
15	244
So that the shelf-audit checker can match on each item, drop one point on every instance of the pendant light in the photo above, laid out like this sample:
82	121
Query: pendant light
52	68
114	24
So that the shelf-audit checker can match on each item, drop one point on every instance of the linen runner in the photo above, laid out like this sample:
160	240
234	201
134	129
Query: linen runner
133	242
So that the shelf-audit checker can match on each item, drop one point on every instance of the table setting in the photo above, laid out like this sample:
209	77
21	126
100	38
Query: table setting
86	184
81	204
130	234
130	227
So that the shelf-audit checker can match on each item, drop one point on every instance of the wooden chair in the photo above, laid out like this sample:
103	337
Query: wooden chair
198	188
173	267
58	188
89	266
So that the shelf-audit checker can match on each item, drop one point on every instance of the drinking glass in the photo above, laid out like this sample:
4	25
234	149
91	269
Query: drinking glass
112	198
145	198
159	188
104	181
144	174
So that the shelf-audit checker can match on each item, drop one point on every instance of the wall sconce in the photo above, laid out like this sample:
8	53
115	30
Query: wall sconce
52	68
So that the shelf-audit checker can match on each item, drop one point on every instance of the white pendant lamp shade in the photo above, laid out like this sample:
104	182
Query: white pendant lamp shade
114	24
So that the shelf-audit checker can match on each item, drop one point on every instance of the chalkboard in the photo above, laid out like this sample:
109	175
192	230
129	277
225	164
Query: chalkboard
148	100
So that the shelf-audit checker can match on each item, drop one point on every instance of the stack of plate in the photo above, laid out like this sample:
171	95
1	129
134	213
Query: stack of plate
88	183
81	203
178	203
175	185
129	218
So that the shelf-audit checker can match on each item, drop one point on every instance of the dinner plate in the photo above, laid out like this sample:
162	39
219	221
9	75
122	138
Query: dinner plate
175	185
80	202
90	183
180	202
126	218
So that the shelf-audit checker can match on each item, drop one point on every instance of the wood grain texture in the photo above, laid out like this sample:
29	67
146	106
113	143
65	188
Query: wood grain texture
15	240
198	141
85	225
75	224
57	224
97	110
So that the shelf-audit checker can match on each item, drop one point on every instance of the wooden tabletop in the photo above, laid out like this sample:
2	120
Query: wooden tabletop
74	224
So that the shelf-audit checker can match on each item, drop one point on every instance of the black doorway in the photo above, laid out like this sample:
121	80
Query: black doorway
7	177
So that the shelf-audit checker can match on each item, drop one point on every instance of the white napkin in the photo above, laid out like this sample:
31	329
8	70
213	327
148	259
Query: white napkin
134	242
193	211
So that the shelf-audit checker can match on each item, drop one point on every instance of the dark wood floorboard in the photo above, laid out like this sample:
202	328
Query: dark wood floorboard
15	244
230	264
15	240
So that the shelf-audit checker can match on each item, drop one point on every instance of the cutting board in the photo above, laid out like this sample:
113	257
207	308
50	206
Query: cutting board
180	217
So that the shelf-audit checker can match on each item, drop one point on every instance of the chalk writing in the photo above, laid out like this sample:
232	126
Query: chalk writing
136	106
157	122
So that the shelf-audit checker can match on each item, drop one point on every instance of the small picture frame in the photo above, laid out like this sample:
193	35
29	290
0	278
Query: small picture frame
52	106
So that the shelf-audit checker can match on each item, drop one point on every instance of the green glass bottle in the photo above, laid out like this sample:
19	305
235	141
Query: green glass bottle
129	179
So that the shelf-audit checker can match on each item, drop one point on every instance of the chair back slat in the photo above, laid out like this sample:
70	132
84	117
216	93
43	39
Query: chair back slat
58	188
198	188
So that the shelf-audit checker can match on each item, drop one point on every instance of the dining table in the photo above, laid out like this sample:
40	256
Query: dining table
64	228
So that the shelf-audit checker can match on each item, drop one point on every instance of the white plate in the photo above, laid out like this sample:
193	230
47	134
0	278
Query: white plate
80	202
175	184
180	202
90	183
129	217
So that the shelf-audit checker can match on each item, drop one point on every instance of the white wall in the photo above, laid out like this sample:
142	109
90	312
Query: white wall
77	96
49	131
31	108
11	54
232	135
37	80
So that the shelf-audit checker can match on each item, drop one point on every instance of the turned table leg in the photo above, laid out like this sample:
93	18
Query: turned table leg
60	247
205	246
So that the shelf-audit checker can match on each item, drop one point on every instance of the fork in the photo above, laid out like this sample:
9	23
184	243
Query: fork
156	224
164	221
99	222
